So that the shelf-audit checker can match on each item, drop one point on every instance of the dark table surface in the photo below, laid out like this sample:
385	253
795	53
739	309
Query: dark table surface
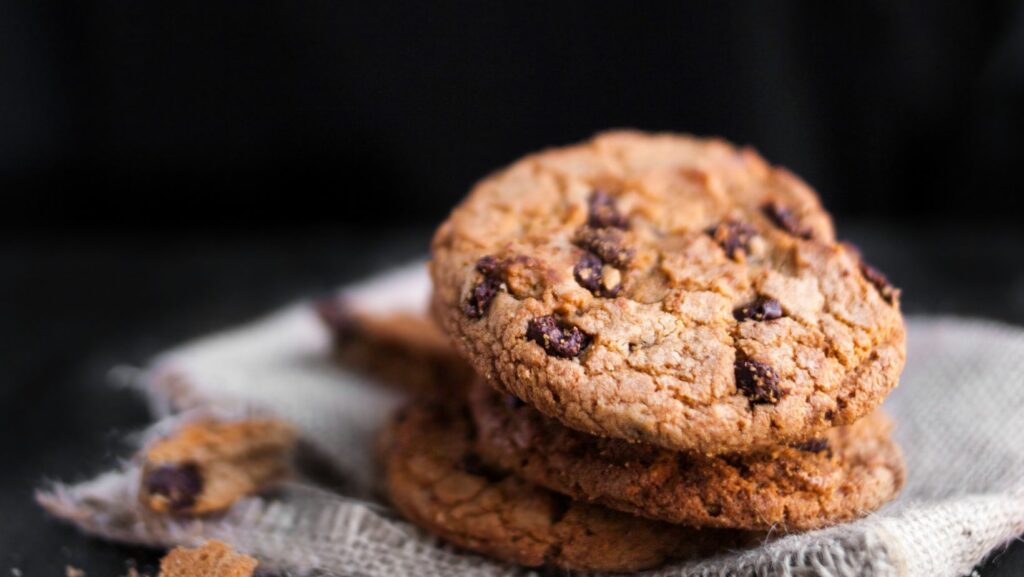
72	308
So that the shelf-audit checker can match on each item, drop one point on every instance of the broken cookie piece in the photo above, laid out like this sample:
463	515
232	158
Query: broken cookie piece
206	466
403	349
213	559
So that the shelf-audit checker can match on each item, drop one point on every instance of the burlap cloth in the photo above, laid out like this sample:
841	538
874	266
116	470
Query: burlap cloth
959	410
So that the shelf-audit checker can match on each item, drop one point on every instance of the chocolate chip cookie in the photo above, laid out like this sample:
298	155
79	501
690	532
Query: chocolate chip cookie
846	473
403	349
436	480
669	290
204	467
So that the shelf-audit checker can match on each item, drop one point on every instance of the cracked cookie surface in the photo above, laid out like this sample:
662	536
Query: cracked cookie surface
669	290
435	479
847	473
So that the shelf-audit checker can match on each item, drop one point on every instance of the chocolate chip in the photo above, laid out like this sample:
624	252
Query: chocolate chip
815	446
785	219
604	213
512	401
589	272
560	506
758	381
879	280
488	265
734	237
474	465
558	337
179	483
484	291
607	243
760	309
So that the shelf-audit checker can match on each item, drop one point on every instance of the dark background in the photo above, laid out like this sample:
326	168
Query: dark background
169	169
208	115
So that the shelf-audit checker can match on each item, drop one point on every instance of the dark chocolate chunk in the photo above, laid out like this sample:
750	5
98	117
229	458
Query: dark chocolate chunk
488	265
557	337
760	309
758	382
180	483
474	465
589	273
815	446
734	237
785	219
604	213
560	506
607	243
879	280
512	401
484	291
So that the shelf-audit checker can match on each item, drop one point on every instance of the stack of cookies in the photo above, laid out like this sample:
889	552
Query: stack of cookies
671	354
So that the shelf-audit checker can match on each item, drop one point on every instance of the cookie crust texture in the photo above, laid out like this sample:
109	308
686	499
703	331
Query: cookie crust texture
847	473
666	289
213	559
434	479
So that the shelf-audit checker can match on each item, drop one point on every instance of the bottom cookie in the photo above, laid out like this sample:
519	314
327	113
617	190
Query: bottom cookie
435	479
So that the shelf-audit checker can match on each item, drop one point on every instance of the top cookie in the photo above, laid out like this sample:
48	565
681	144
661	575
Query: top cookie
666	289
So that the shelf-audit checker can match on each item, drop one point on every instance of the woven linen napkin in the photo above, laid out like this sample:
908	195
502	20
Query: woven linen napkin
959	412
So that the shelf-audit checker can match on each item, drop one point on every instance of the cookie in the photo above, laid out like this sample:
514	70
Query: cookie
403	349
668	290
206	466
847	473
435	479
213	559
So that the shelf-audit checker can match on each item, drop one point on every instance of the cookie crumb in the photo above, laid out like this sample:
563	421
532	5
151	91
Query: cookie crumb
205	466
213	559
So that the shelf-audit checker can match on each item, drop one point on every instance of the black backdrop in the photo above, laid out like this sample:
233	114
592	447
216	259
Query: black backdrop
152	117
173	168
